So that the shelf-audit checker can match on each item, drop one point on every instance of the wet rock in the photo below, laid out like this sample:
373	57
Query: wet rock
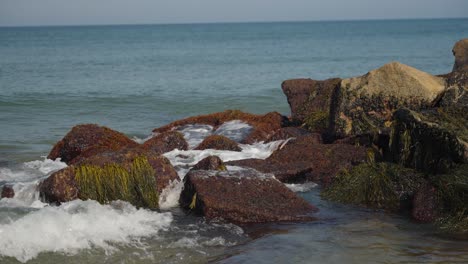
88	140
425	205
431	141
210	163
263	125
242	197
310	101
132	175
292	132
304	160
7	192
166	142
460	51
218	142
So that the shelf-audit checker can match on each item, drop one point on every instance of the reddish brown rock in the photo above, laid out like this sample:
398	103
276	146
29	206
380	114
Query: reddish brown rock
61	186
7	192
460	51
263	125
166	142
301	161
291	132
425	206
210	163
218	142
88	140
242	197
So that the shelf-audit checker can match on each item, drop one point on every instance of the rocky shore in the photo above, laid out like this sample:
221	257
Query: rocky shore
395	138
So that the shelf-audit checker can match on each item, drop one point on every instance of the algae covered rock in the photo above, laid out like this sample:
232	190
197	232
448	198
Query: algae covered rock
263	125
218	142
87	140
166	142
242	196
431	141
130	175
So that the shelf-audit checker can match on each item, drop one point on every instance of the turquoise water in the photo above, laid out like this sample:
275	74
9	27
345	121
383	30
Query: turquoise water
136	78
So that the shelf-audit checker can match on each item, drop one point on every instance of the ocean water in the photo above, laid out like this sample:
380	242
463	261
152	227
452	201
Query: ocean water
136	78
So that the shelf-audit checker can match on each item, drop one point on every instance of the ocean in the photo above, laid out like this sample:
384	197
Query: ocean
134	78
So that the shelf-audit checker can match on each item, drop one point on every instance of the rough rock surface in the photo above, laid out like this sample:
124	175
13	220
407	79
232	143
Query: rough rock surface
460	51
166	142
7	192
263	125
302	160
242	197
61	186
210	163
218	142
425	206
88	140
291	132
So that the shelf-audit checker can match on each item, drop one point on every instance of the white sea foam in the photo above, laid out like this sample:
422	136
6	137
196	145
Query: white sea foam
195	134
235	130
26	195
142	140
170	195
79	225
31	170
304	187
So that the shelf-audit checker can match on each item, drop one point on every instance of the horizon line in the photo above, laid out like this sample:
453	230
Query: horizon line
233	22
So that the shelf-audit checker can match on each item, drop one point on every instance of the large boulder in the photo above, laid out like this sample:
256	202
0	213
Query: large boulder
87	140
242	196
132	175
210	163
432	141
303	159
165	142
218	142
460	51
263	125
7	192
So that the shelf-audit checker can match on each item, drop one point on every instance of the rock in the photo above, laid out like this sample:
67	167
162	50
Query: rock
210	163
242	197
291	132
218	142
263	125
425	205
304	160
87	140
131	175
460	51
432	141
7	192
366	104
166	142
310	101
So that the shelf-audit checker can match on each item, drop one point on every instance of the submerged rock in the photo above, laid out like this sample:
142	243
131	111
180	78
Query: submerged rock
131	175
303	159
245	196
218	142
7	192
263	125
87	140
166	142
210	163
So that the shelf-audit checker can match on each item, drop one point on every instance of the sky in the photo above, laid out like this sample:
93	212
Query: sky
104	12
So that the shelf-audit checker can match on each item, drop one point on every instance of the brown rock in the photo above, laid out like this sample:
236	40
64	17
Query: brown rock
88	140
242	197
291	132
62	186
425	206
263	125
460	51
218	142
301	161
166	142
7	192
210	163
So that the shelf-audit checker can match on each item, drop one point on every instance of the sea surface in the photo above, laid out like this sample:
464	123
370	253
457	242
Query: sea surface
134	78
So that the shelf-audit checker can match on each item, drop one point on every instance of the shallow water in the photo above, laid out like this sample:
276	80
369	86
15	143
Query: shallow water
136	78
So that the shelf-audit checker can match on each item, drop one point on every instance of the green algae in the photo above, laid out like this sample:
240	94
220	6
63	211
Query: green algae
317	120
111	182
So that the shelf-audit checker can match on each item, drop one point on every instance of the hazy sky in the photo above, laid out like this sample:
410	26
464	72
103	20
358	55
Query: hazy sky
77	12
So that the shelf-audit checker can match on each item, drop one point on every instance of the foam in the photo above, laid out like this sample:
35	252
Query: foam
31	170
304	187
195	134
235	130
79	225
